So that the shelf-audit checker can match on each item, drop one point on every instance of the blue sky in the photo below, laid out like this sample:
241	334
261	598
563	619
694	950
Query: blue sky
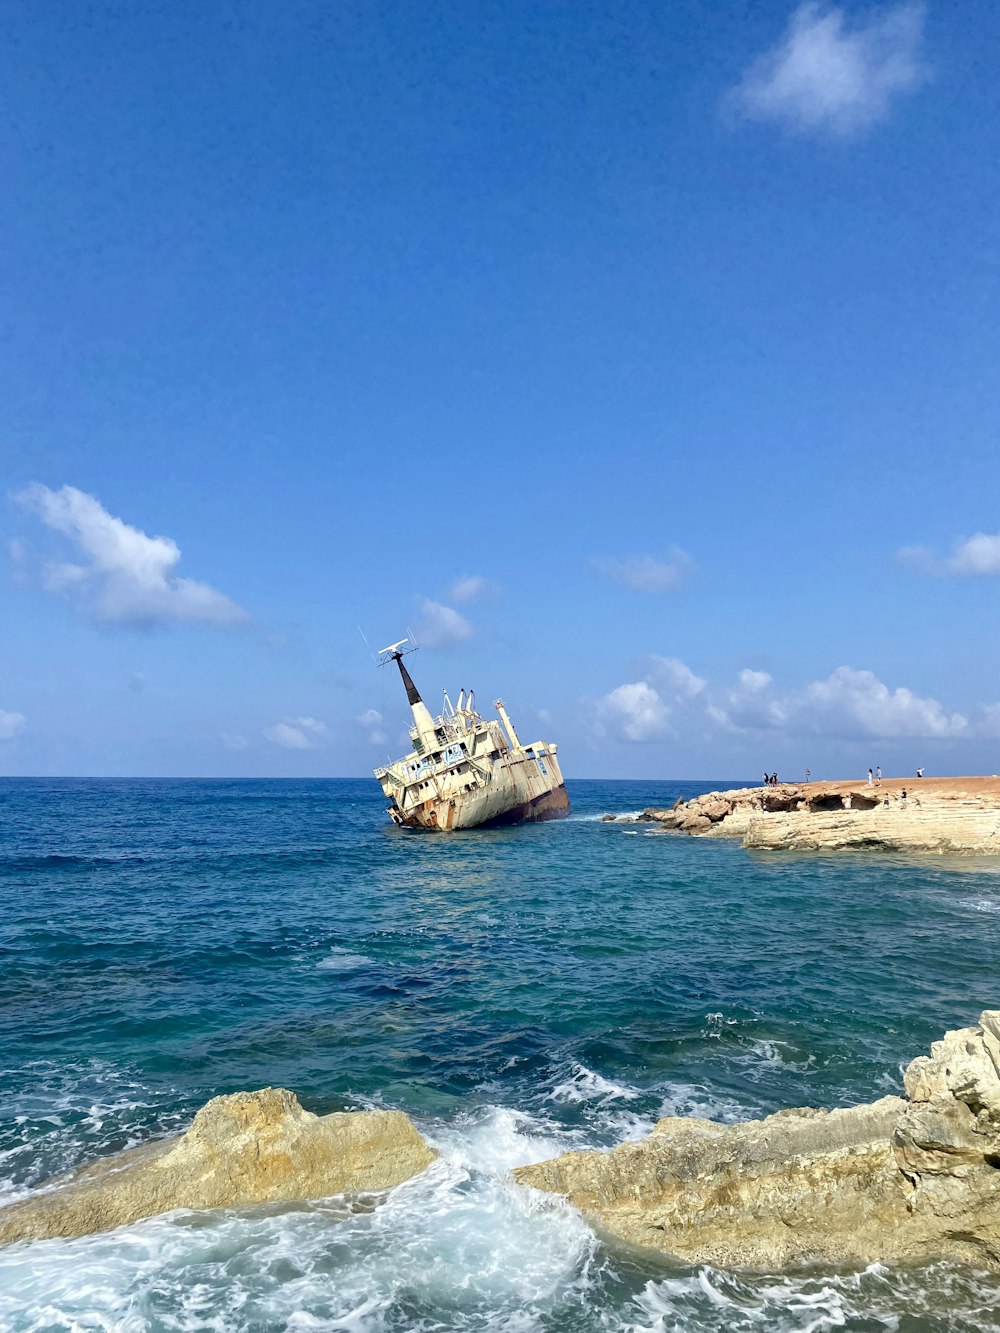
642	358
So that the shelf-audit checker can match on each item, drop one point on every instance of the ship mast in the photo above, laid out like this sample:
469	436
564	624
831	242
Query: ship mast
422	719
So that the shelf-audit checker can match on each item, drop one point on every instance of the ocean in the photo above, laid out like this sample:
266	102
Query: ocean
518	992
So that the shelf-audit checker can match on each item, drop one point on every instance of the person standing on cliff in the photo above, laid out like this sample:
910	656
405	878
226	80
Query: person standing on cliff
871	777
878	777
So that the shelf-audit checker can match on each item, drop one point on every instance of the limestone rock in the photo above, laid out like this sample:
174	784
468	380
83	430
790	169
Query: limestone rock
248	1148
694	823
944	815
899	1179
716	808
796	1186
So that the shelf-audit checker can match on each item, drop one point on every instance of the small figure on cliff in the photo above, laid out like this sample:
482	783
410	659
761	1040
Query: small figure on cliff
920	772
808	775
871	777
878	776
766	779
902	798
885	801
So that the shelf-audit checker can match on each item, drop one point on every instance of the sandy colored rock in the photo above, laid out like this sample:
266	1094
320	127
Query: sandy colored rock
248	1148
899	1179
941	815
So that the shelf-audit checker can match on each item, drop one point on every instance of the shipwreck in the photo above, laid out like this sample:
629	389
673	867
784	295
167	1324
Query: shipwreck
466	771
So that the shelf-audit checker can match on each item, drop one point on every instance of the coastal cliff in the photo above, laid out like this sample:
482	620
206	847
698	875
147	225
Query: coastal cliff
914	1178
956	815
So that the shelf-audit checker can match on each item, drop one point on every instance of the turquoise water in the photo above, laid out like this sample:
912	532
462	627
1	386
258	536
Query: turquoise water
518	991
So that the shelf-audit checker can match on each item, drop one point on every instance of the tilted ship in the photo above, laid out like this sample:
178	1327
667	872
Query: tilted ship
466	771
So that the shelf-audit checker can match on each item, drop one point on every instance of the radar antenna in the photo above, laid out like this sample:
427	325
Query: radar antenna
396	651
391	653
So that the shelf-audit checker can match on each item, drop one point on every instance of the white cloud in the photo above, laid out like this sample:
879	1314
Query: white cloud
750	706
646	573
827	76
372	721
633	712
469	587
846	705
979	554
234	741
441	626
755	681
126	577
11	724
856	703
298	733
672	676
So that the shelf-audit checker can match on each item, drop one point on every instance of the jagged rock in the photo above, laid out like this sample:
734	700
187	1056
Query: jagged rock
693	823
716	808
899	1179
248	1148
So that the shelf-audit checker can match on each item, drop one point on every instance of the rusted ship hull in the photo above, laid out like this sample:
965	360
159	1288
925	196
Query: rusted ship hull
553	805
448	817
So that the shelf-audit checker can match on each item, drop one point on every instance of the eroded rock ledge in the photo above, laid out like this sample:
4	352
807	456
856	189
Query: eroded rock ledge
960	815
914	1178
248	1148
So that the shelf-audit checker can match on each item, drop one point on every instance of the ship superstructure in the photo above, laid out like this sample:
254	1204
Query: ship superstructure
466	771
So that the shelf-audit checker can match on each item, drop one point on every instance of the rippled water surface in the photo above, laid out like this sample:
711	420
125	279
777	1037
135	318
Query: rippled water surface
518	992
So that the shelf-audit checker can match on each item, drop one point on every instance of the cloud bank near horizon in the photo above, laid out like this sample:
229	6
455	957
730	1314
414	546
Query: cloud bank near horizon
847	705
298	733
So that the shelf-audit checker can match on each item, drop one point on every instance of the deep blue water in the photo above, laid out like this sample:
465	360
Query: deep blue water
517	991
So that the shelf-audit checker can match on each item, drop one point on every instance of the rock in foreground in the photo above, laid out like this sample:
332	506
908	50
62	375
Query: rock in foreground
248	1148
900	1179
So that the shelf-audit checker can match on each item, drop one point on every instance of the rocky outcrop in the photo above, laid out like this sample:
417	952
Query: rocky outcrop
941	826
248	1148
915	1178
957	815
